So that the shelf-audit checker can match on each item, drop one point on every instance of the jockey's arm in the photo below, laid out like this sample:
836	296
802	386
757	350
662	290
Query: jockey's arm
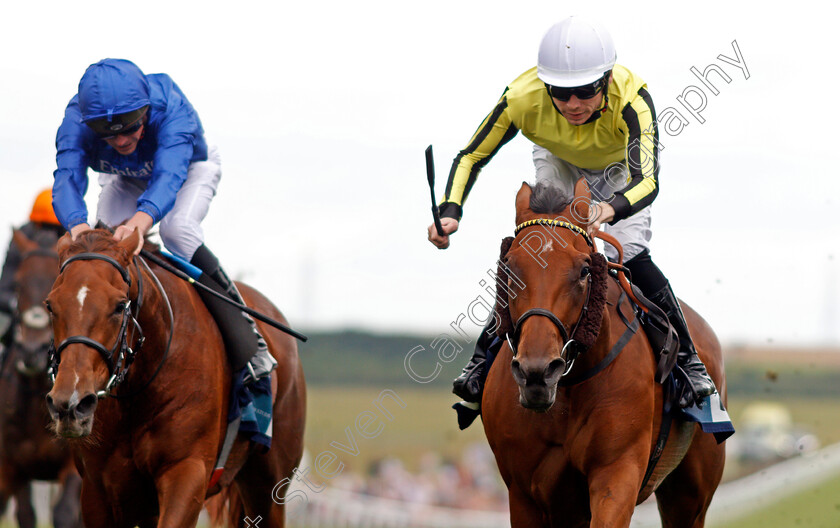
496	130
74	142
642	158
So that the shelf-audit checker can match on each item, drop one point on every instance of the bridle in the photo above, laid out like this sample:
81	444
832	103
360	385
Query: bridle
34	317
119	357
573	344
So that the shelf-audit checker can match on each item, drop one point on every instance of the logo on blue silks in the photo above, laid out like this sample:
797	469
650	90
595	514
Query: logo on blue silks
712	417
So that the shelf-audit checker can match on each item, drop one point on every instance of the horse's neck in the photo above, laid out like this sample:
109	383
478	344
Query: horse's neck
609	331
154	316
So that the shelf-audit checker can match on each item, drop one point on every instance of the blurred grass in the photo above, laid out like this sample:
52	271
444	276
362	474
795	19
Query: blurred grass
426	424
818	507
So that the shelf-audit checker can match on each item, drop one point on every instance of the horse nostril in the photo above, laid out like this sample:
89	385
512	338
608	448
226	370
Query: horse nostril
516	369
85	407
53	409
555	369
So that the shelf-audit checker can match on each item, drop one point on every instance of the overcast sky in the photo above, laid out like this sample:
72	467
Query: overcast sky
322	111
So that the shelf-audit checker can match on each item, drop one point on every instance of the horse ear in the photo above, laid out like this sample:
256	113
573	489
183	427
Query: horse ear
581	209
63	243
129	244
523	203
23	242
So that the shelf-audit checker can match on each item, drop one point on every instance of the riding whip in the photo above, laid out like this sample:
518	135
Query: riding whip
430	174
192	280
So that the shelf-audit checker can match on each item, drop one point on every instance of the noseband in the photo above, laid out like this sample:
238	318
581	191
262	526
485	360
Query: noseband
124	354
573	345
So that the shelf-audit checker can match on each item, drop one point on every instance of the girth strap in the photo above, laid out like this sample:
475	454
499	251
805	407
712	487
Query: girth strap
662	439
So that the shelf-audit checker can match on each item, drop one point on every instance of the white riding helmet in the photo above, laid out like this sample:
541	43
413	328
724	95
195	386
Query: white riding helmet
574	53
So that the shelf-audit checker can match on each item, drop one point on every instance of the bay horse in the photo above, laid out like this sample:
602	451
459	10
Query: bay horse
28	450
146	441
573	430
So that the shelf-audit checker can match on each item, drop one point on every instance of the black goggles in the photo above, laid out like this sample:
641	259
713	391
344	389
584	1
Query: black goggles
119	125
587	91
123	132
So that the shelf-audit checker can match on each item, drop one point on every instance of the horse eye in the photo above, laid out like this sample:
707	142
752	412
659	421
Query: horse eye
120	307
48	306
584	271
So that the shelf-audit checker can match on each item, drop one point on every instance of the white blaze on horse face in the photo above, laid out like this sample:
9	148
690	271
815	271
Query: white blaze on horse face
83	291
74	398
548	246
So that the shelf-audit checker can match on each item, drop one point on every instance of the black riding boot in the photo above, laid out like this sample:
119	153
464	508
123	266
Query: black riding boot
700	384
243	341
470	384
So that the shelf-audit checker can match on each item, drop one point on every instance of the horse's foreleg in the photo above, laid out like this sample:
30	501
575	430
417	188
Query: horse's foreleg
524	512
67	510
612	494
5	494
96	511
254	482
685	495
25	511
181	490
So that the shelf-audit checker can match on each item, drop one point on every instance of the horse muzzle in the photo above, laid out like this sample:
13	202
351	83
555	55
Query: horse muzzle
32	359
73	416
537	381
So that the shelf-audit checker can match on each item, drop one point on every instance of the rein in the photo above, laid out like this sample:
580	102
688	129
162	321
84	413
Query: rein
124	354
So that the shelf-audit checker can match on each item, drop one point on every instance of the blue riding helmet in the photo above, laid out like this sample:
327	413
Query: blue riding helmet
113	95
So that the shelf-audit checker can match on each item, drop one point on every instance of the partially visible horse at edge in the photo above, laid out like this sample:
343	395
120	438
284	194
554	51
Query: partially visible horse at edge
573	439
147	453
28	449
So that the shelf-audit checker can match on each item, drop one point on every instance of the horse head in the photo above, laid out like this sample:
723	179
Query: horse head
34	278
90	307
552	319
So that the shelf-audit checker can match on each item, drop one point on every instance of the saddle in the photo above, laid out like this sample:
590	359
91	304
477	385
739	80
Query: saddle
712	415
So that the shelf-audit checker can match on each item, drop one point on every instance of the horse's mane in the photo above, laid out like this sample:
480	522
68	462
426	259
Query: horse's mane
101	240
547	198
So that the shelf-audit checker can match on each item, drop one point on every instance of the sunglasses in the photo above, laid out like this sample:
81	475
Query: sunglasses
587	91
123	132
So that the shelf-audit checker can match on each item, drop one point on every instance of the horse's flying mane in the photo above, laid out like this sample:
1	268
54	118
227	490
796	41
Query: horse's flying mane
547	198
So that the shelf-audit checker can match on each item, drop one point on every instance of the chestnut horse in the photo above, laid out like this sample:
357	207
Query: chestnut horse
28	450
573	437
147	440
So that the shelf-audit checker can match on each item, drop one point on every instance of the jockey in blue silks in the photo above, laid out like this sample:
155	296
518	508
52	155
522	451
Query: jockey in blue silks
144	138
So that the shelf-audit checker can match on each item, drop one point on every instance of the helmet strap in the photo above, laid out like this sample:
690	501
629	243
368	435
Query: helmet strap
605	87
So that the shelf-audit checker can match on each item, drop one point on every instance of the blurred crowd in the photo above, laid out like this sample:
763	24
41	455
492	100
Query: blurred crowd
471	482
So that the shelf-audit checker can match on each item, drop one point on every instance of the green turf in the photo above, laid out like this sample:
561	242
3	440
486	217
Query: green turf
818	507
426	424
